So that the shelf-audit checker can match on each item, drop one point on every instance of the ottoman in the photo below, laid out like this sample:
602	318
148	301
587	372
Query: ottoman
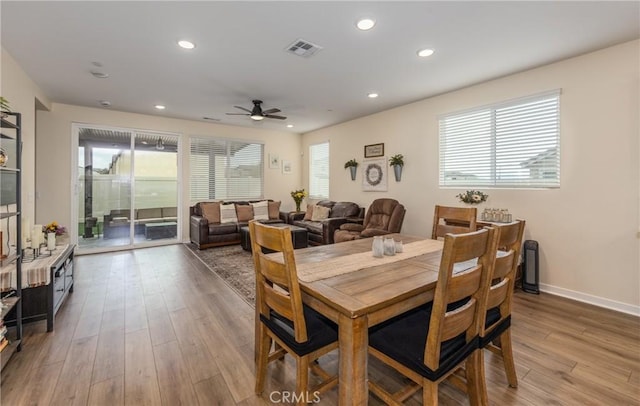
298	236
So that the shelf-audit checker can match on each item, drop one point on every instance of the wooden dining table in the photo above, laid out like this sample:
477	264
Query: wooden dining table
348	285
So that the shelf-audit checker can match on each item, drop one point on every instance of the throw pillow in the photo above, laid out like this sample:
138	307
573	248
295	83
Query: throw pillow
228	213
320	213
244	212
309	213
274	210
211	211
260	210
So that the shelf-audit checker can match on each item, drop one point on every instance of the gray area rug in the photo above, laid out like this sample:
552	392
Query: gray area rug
234	265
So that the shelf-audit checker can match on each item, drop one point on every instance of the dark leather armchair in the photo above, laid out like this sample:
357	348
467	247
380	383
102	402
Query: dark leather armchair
384	216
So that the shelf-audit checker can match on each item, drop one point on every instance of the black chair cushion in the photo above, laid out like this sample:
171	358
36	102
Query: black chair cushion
404	337
320	330
493	316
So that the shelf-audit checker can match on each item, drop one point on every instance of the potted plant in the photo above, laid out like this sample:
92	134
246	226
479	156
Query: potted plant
4	106
397	161
352	164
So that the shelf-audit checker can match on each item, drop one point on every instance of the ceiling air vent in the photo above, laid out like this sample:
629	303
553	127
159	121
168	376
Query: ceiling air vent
303	48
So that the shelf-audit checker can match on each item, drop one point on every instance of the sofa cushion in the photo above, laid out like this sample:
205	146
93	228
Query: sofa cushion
345	209
211	211
221	229
320	213
274	210
244	212
228	213
260	210
153	213
309	212
313	227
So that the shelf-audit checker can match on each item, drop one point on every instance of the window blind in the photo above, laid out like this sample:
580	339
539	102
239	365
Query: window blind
225	169
319	171
512	144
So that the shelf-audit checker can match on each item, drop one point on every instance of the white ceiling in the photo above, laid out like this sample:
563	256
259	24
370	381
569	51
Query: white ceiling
240	52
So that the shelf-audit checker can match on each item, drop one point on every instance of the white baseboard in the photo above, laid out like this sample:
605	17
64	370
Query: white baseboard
594	300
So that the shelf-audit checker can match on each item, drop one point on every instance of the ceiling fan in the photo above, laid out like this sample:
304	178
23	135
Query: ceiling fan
256	113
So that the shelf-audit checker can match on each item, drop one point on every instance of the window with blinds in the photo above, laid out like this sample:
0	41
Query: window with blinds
513	144
225	169
319	171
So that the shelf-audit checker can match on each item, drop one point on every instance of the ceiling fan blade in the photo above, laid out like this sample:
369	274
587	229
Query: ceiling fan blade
242	108
237	114
271	111
276	117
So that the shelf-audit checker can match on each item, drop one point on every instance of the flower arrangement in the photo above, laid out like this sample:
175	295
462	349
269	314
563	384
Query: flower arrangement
298	196
54	227
396	160
351	163
472	197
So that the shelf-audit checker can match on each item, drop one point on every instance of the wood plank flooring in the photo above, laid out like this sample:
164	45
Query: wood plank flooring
156	327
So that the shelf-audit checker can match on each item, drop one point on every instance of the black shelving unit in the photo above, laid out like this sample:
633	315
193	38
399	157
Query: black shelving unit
10	126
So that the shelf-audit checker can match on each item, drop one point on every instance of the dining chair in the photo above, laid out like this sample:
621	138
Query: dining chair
453	220
295	328
428	344
495	334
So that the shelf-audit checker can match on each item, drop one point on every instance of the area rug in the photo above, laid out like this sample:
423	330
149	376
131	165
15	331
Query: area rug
234	265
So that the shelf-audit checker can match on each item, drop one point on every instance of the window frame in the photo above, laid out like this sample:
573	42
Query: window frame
493	131
317	194
211	142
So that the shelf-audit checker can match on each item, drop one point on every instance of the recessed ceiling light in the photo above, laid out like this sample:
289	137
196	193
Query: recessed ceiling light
105	103
372	95
160	107
365	24
425	52
186	44
289	125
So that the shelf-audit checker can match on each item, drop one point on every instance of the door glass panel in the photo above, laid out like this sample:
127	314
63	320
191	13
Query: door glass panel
156	186
104	174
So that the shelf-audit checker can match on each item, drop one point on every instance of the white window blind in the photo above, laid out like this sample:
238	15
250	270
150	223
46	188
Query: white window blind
225	169
513	144
319	171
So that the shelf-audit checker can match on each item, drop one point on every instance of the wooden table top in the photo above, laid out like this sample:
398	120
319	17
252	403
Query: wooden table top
375	287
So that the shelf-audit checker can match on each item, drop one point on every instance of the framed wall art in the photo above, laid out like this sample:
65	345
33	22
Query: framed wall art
287	169
274	161
374	150
374	175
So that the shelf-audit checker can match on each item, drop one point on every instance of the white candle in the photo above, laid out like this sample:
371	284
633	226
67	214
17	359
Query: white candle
51	241
36	235
26	231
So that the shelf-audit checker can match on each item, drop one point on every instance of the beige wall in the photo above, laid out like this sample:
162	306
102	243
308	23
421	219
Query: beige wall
587	229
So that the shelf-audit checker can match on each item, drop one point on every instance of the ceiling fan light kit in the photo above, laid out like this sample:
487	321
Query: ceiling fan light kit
256	113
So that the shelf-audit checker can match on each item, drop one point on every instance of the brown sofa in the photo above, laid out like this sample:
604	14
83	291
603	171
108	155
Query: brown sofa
204	233
321	232
116	223
384	216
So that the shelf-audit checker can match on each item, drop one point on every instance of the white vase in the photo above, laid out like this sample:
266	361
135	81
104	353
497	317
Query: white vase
51	241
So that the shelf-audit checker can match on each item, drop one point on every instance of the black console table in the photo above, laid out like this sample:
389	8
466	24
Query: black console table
53	276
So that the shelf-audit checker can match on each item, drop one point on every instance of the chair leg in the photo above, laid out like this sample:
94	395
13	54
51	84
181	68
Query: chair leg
476	381
302	379
429	393
262	358
507	358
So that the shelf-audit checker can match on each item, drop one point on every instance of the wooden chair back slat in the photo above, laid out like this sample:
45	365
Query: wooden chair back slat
474	281
454	220
287	300
503	279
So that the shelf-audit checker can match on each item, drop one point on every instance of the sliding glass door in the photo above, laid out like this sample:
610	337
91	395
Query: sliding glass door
127	193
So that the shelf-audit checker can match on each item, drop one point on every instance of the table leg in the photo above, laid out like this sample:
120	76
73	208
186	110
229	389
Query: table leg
353	342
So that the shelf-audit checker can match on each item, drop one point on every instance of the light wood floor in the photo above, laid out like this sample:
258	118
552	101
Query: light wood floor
154	326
